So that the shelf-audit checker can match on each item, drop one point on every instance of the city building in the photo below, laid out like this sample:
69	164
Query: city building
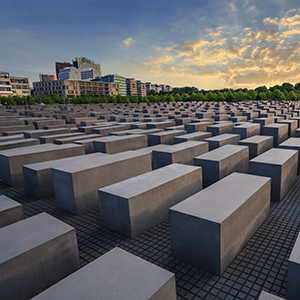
98	88
62	87
120	80
5	84
131	86
85	63
88	73
150	87
141	88
168	88
20	86
46	77
61	65
70	73
68	88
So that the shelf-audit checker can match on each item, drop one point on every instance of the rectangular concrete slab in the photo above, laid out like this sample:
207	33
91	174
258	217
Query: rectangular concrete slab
11	161
116	275
210	228
247	130
279	132
257	144
195	136
35	253
279	164
165	137
222	140
10	211
77	193
116	144
222	161
18	144
137	204
183	153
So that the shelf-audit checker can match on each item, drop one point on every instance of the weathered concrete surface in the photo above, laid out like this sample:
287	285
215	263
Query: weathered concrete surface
195	136
279	164
247	130
278	131
18	144
77	193
135	205
257	144
211	227
165	137
222	161
116	275
11	161
222	140
35	253
183	153
10	211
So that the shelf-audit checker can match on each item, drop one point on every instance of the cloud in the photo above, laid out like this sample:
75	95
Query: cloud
128	41
291	21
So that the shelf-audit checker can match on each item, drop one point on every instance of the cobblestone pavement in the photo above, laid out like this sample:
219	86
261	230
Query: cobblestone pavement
261	265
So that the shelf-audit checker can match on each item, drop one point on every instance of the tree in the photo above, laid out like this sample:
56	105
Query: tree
220	97
261	89
209	96
170	98
292	96
185	97
229	96
287	86
251	94
177	97
277	95
297	86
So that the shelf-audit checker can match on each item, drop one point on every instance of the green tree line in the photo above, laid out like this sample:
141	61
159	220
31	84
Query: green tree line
286	91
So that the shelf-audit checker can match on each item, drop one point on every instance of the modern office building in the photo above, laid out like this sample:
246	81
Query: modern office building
61	65
5	84
71	73
141	88
68	88
46	77
85	63
131	86
120	80
88	73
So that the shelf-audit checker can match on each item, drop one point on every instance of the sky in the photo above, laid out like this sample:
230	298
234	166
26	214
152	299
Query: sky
209	44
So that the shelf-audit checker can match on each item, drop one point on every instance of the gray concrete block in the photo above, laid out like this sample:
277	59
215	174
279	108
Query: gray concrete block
266	296
70	139
35	253
10	211
222	140
222	128
293	288
292	143
183	153
293	125
51	138
18	144
165	137
278	131
247	130
77	193
105	130
210	228
222	161
116	275
38	181
11	138
195	136
263	122
257	144
137	204
279	164
15	128
163	124
116	144
11	161
34	134
194	127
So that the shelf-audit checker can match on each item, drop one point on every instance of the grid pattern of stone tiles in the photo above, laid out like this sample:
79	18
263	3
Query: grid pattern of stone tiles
261	265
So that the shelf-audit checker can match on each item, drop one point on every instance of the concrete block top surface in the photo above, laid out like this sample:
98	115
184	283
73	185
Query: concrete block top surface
63	161
275	156
218	201
29	150
222	152
159	147
257	139
7	203
247	125
116	275
112	138
222	137
295	255
142	183
21	141
162	133
180	146
291	142
276	125
98	161
27	234
266	296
